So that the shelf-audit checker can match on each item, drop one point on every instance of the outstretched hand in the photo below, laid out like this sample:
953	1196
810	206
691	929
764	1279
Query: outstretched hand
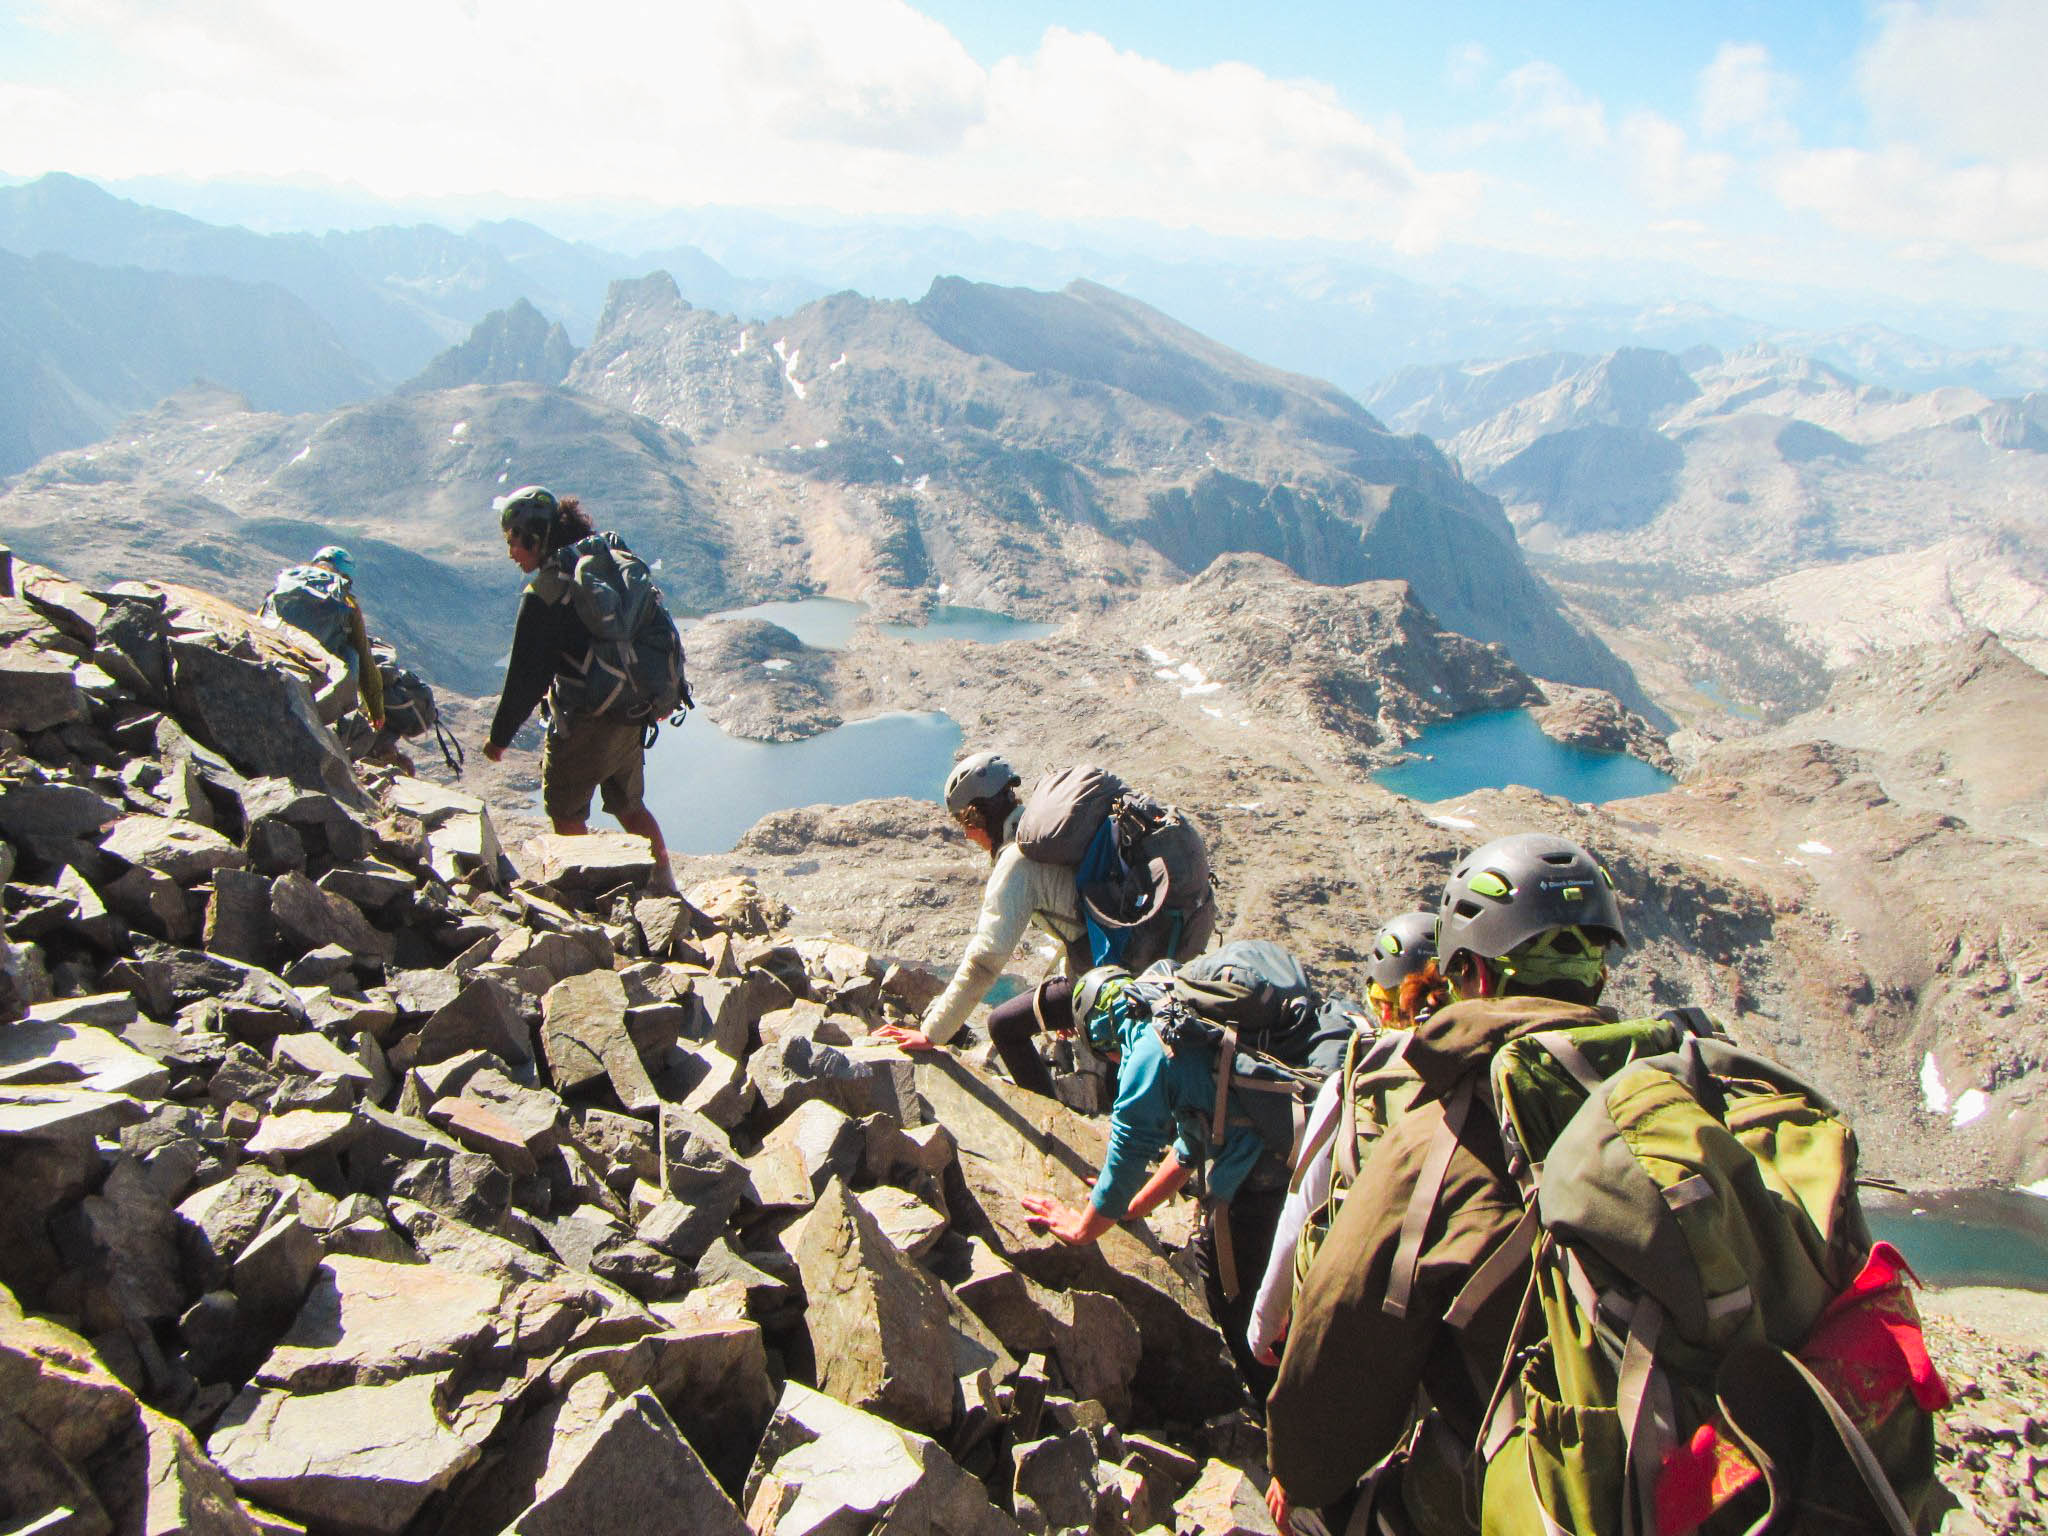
903	1037
1062	1221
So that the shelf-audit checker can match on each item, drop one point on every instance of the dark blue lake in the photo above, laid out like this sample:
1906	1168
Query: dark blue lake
827	623
1505	747
1966	1236
706	787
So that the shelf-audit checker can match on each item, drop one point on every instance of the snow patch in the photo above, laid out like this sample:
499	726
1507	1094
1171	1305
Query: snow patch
503	477
1245	805
458	432
304	453
1166	674
740	346
1200	690
1820	848
1157	657
777	664
1214	714
898	458
823	442
836	364
1971	1104
1452	823
1933	1091
921	482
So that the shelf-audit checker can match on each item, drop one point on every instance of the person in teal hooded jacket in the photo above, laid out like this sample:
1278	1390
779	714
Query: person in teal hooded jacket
1166	1100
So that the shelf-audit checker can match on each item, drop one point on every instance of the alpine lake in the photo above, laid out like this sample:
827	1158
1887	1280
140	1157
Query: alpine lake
706	788
1506	746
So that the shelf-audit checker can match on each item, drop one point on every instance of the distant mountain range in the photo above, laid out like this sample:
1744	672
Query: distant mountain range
1041	453
396	293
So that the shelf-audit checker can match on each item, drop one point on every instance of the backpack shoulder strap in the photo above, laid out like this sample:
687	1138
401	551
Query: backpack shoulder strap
1436	1166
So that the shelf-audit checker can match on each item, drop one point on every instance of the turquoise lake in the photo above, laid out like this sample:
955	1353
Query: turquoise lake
827	623
706	787
1967	1236
1503	747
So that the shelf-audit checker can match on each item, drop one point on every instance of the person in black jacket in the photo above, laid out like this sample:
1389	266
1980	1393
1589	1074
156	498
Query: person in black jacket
581	754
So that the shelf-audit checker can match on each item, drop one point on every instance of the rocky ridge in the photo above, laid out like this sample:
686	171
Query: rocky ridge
371	1179
361	1177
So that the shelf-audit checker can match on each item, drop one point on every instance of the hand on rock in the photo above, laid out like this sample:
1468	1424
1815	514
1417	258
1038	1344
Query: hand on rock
1069	1226
1277	1506
903	1037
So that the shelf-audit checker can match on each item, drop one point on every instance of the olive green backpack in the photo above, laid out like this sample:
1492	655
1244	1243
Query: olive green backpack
1378	1087
1709	1341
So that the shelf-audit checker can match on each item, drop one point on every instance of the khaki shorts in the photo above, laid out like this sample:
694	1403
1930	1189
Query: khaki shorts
593	755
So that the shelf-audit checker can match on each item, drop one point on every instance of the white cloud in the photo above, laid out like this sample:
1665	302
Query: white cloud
1740	91
861	105
1964	76
1541	102
1669	172
1959	167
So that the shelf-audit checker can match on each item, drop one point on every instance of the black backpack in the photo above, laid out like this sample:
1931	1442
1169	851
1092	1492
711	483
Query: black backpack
634	667
410	710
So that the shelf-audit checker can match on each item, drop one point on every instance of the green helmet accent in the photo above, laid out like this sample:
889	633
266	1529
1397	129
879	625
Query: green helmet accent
1404	946
1558	954
529	512
1095	1000
976	778
1506	893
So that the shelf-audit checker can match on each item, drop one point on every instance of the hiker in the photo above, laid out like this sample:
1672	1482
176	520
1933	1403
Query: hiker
1602	1275
582	590
1167	1099
1404	987
1110	874
319	598
1526	924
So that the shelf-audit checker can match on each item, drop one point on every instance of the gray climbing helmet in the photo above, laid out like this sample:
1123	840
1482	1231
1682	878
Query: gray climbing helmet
529	512
1404	946
1515	888
338	560
977	778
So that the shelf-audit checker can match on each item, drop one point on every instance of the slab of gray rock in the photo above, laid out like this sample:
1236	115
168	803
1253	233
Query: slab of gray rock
259	716
359	1459
365	1321
484	1016
1013	1144
590	863
309	918
584	1037
1055	1483
878	1323
825	1468
183	850
631	1471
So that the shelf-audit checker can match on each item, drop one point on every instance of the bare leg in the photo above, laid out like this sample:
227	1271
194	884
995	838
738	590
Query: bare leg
642	822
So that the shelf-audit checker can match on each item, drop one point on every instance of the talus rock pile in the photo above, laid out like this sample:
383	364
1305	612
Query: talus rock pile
359	1175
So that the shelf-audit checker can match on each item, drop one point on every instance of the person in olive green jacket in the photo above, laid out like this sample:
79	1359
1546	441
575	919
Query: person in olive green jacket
1526	923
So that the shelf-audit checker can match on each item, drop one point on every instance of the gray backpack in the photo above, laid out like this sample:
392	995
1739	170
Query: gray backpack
314	599
634	667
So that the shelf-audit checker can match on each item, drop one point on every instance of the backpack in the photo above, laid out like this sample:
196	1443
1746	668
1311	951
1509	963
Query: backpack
1141	867
409	707
314	599
633	669
1377	1087
1709	1340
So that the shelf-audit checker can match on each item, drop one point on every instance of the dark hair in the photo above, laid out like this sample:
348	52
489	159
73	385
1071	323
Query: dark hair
571	523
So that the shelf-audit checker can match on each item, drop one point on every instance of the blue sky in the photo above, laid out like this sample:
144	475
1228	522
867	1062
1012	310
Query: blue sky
1891	147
